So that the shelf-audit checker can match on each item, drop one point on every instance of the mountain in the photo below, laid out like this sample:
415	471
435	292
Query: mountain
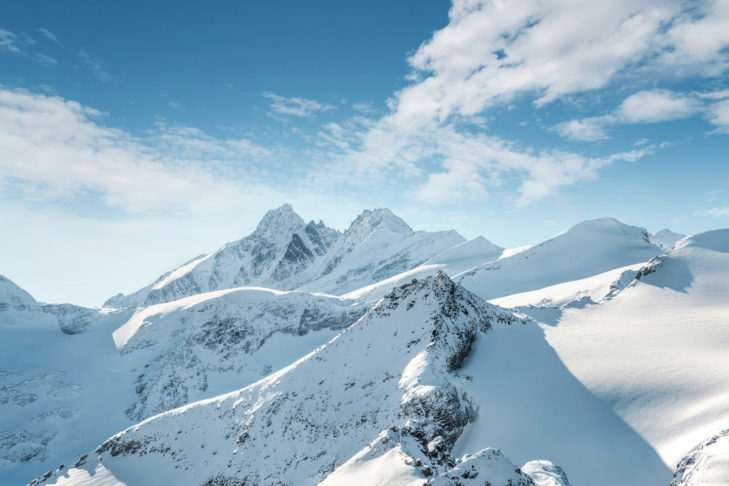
382	403
666	238
452	261
586	249
19	310
706	465
657	351
62	394
285	253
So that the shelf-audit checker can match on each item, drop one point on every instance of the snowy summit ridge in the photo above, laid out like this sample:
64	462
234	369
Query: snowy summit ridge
285	253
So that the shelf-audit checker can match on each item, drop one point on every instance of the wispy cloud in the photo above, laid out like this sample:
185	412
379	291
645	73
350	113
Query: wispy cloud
52	149
8	41
49	35
174	105
44	59
650	106
98	69
719	212
295	106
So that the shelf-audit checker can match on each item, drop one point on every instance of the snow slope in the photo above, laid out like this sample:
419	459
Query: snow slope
383	397
658	351
19	310
452	261
666	238
62	394
706	465
284	253
586	249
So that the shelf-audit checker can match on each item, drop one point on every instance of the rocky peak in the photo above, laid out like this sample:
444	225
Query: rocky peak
371	220
282	220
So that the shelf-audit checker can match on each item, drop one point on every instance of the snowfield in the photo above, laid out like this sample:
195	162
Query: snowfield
301	355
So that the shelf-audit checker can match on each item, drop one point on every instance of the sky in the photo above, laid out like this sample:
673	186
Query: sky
137	135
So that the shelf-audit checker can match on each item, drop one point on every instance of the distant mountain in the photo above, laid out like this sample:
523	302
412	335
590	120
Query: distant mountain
19	310
665	238
285	253
379	404
586	249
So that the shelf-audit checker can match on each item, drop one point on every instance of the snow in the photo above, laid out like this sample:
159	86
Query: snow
284	253
454	260
658	352
318	415
586	249
531	406
706	465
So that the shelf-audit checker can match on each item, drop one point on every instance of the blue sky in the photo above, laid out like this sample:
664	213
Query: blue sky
134	136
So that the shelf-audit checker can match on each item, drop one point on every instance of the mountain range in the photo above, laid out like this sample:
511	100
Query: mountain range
301	354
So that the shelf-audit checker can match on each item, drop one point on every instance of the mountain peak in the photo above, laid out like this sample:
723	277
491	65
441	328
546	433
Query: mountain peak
379	218
281	219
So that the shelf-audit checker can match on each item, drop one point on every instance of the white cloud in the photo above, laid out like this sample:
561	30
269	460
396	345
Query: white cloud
656	106
718	114
295	106
44	59
174	105
649	106
98	69
49	35
715	212
586	129
54	149
8	41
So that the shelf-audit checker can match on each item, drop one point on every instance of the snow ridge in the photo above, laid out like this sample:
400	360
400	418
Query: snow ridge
285	253
384	382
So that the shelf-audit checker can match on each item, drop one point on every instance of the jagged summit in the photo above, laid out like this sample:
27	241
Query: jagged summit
380	217
285	253
280	220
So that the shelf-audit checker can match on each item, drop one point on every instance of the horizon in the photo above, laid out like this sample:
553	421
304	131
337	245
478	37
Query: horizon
126	148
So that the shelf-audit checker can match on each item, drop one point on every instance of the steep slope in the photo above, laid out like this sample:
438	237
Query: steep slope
62	394
383	394
284	253
280	253
586	249
658	351
706	465
452	261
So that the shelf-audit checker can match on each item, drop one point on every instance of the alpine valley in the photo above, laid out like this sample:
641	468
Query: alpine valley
380	355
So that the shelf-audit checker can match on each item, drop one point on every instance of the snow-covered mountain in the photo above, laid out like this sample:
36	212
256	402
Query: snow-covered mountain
586	249
382	403
666	238
62	394
19	310
285	253
356	360
657	349
706	465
